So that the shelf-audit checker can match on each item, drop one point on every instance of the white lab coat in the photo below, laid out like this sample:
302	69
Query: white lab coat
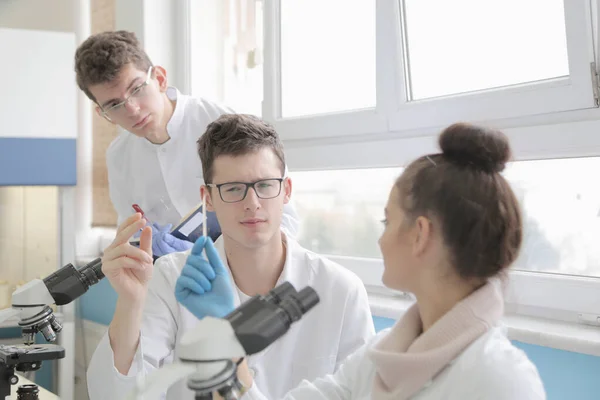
491	368
165	179
314	346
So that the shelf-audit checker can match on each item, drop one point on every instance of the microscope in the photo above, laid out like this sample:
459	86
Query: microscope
206	353
31	303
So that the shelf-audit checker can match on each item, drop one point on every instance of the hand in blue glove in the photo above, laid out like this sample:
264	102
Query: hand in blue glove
204	286
164	243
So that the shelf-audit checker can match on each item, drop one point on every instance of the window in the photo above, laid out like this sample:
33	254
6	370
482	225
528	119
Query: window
407	67
357	89
466	68
327	56
342	210
561	213
452	51
226	53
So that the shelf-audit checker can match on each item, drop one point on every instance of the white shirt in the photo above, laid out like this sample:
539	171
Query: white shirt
314	346
491	368
165	179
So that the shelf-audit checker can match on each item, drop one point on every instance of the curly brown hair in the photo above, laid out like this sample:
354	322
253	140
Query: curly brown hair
235	135
100	58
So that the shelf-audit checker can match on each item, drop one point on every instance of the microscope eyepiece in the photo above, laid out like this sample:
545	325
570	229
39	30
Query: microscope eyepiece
308	298
298	304
277	294
92	272
68	283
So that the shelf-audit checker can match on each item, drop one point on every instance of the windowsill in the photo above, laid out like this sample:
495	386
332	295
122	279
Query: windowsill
538	331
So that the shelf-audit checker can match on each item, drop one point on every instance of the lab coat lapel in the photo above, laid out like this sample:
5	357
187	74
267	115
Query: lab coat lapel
292	269
176	121
289	274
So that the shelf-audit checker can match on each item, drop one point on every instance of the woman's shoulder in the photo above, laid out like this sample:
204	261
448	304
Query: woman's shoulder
498	367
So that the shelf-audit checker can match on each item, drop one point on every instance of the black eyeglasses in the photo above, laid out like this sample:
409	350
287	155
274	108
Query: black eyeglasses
232	192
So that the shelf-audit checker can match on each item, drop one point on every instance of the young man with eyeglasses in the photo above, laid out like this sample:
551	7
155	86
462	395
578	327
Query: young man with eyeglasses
153	162
244	170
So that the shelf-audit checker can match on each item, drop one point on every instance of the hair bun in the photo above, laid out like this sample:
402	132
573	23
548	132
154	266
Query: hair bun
475	146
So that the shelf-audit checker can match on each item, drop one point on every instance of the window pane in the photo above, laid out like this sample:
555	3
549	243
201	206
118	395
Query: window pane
327	56
227	53
561	206
341	212
466	45
243	64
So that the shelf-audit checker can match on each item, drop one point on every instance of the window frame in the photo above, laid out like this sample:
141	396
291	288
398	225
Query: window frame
352	122
378	137
556	95
547	295
393	114
529	293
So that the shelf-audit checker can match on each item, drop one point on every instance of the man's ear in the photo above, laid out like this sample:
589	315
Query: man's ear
205	192
161	77
99	112
287	190
422	235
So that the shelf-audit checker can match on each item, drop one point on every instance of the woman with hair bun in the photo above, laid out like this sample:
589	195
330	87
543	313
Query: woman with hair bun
452	229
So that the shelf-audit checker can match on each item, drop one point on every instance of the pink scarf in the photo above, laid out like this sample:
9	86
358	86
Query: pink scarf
405	359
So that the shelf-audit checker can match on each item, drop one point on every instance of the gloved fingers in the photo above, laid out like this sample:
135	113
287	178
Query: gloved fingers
111	264
199	246
163	248
155	228
130	263
202	266
213	258
132	219
131	252
160	228
185	245
176	243
127	231
185	282
197	276
181	293
146	241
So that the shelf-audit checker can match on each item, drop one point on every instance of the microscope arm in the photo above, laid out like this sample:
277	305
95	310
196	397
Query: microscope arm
205	354
31	301
31	304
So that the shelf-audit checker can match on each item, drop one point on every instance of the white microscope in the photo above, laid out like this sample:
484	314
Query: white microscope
207	351
31	303
206	354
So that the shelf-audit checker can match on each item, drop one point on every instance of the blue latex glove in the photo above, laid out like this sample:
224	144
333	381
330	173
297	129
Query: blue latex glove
204	286
164	243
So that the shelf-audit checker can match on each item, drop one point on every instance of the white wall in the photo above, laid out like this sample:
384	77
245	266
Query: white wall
154	23
29	223
54	15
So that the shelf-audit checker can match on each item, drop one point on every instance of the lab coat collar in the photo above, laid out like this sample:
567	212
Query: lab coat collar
176	122
287	274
